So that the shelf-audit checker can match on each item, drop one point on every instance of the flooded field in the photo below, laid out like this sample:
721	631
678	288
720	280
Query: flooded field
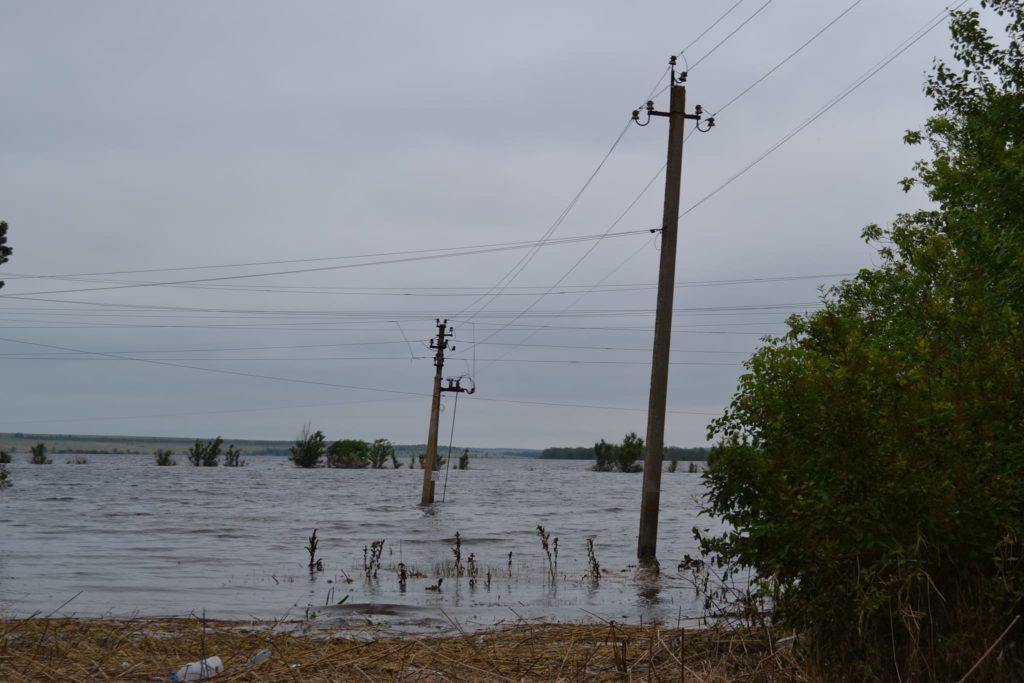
122	536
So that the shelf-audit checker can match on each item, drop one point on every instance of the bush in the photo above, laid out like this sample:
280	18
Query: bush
622	457
308	449
205	453
464	460
380	452
5	476
871	465
38	456
233	457
164	458
5	458
348	454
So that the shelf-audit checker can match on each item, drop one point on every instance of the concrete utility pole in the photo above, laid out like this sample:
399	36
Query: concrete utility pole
441	343
651	496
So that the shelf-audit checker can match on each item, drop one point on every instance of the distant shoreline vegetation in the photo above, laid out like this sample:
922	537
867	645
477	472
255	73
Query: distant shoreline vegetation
587	453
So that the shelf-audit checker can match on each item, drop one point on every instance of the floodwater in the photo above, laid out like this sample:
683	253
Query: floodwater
121	536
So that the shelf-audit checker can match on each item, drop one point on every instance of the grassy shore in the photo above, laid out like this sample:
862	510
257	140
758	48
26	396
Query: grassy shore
79	650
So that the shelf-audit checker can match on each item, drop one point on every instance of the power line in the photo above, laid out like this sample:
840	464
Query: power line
846	92
736	30
791	55
472	251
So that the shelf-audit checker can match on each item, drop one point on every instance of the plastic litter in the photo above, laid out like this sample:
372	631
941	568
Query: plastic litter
258	658
197	671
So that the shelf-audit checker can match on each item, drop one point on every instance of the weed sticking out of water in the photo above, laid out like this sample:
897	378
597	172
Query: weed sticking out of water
487	580
673	465
164	458
693	468
471	569
371	558
546	544
457	552
315	564
595	568
510	563
80	460
437	586
402	577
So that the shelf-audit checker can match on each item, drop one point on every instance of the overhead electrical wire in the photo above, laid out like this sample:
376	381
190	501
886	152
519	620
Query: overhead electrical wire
914	38
471	251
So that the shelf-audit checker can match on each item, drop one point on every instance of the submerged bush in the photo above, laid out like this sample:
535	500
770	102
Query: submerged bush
379	452
164	458
309	448
5	458
233	457
348	454
5	476
205	453
38	456
622	457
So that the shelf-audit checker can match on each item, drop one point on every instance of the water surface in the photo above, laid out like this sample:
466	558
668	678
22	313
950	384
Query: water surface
127	537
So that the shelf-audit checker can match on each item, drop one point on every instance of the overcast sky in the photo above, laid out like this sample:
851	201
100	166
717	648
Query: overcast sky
185	140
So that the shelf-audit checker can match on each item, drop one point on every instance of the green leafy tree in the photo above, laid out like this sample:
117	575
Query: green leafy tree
870	467
233	457
609	457
38	455
309	448
205	453
348	454
5	251
379	452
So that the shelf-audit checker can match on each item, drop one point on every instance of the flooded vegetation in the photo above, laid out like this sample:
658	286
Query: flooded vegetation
515	539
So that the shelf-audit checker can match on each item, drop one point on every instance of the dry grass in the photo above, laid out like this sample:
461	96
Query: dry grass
79	650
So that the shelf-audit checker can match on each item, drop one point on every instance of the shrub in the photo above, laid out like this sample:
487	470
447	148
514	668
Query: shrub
205	453
164	458
348	454
5	476
619	457
673	465
309	448
233	457
870	467
464	460
380	452
5	458
38	456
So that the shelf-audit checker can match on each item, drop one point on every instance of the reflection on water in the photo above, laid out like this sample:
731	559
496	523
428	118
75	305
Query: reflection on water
139	539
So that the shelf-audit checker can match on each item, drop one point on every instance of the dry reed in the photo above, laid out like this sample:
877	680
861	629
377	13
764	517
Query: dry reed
79	650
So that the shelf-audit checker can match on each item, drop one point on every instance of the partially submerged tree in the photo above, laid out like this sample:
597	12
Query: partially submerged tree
309	448
5	251
348	454
205	453
871	465
233	457
379	452
622	457
164	458
38	455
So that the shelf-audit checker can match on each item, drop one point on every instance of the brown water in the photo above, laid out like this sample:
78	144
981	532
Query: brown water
122	536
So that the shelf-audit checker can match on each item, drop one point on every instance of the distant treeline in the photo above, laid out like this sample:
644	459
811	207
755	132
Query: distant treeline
587	453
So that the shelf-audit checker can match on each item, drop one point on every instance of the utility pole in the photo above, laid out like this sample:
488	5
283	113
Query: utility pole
441	343
651	497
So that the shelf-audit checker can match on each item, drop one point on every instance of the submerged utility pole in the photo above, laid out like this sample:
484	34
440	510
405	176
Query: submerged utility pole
651	497
441	343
